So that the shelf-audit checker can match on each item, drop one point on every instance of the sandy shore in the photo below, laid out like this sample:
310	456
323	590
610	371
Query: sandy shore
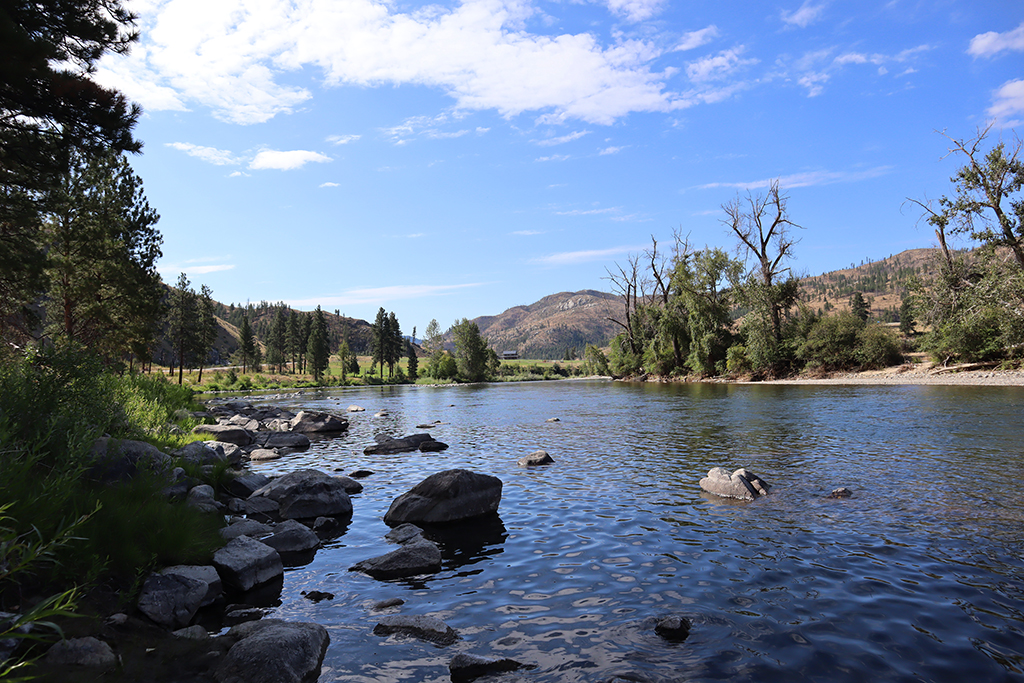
921	373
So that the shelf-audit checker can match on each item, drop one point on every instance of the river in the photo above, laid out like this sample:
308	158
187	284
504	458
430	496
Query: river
918	576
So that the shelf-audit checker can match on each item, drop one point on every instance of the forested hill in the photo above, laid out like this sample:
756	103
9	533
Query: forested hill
261	318
557	323
883	283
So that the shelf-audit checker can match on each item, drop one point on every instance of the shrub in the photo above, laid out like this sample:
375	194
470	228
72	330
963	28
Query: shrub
736	360
877	348
832	342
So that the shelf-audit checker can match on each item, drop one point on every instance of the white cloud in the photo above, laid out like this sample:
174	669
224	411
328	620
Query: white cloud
568	258
992	43
806	179
554	157
610	150
381	295
719	66
1008	104
212	155
238	174
814	69
285	161
695	39
549	142
635	10
342	139
803	17
528	232
242	60
814	82
330	185
171	270
588	212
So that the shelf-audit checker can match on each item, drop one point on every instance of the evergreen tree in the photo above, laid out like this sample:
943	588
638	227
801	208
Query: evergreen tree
246	342
395	343
307	328
318	350
858	306
907	321
207	328
277	342
182	322
379	341
294	338
414	362
343	357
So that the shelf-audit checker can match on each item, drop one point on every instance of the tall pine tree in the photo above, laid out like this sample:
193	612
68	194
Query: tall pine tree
318	351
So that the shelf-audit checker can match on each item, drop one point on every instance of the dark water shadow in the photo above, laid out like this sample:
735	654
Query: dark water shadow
468	542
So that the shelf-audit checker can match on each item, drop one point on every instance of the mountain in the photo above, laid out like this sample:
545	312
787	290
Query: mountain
557	323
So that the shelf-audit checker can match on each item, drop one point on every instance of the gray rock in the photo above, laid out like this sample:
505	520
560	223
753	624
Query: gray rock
430	629
245	562
741	484
841	492
412	559
351	486
244	485
306	494
195	632
273	651
356	409
466	667
201	497
326	527
552	419
262	508
238	407
87	652
309	422
291	440
9	645
387	445
264	454
123	459
227	433
171	600
388	604
202	452
446	497
245	527
205	573
405	533
245	422
292	537
673	627
536	458
240	615
360	474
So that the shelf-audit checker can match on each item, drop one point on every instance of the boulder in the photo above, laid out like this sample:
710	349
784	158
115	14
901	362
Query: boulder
351	486
466	667
238	407
292	537
245	562
244	485
446	497
282	440
356	409
387	445
430	629
406	533
87	652
360	474
245	422
262	508
535	459
263	454
245	527
209	453
226	433
411	559
205	573
309	422
195	632
123	459
171	600
201	498
306	494
273	651
741	484
841	492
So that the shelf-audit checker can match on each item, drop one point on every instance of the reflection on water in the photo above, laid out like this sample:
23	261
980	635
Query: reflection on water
917	577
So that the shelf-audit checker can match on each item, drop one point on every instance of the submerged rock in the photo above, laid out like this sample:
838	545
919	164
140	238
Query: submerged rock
741	484
411	559
673	627
536	458
466	667
387	445
841	492
86	652
446	497
430	629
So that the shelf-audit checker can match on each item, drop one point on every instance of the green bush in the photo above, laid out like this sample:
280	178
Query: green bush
736	360
877	348
832	342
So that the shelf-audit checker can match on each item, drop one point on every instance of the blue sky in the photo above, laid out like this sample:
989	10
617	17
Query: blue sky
453	160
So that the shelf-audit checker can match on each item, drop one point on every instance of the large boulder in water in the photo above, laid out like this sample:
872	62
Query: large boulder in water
306	494
226	433
412	559
387	445
273	651
309	422
446	497
742	484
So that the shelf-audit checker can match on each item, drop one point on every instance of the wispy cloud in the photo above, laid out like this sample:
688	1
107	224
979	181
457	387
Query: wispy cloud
610	150
549	142
569	258
330	185
342	139
211	155
1009	104
589	212
813	70
171	270
286	160
992	43
806	179
554	157
719	66
382	295
695	39
806	15
635	10
238	174
528	232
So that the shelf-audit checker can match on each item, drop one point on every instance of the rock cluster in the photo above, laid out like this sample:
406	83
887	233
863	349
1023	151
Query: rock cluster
386	445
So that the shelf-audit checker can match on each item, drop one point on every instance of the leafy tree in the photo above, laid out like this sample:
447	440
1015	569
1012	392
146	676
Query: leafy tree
700	282
470	351
182	328
595	361
433	345
832	342
343	356
102	247
761	225
246	342
51	109
858	306
447	367
318	351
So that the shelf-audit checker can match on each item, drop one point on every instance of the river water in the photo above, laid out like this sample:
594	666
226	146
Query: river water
918	577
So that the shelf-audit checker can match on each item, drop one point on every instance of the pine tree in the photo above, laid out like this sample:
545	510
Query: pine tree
207	327
246	342
307	328
343	356
414	362
182	317
278	340
859	306
294	336
395	343
319	346
379	341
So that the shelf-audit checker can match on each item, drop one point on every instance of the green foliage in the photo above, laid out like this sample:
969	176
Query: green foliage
907	321
414	361
595	362
858	306
832	342
736	361
877	348
318	349
471	352
622	360
445	367
246	343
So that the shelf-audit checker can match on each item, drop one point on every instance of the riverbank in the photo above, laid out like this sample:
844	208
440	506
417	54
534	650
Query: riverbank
919	373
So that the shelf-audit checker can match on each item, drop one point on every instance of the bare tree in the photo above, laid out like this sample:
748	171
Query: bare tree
627	283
